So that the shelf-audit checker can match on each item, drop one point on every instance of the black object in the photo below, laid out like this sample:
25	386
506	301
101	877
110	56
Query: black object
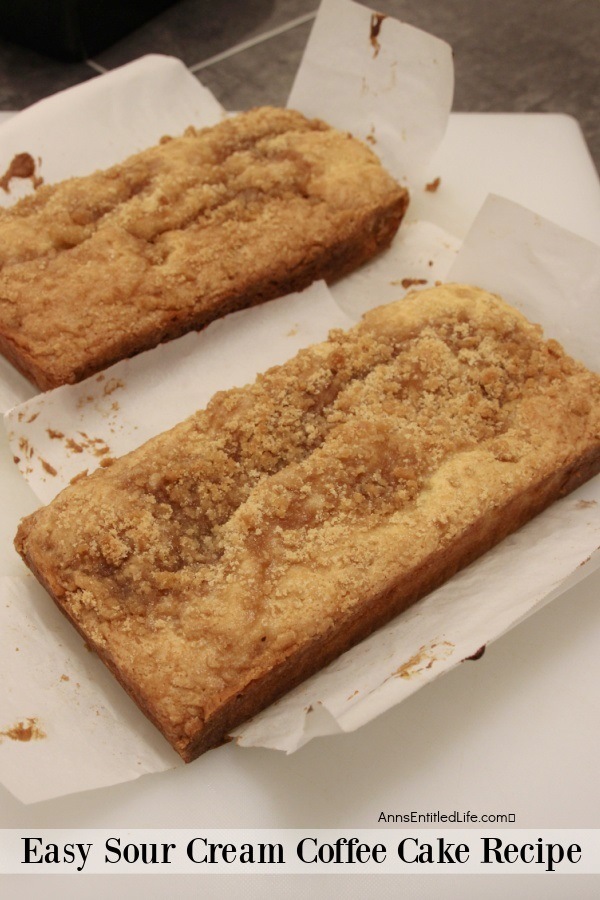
73	29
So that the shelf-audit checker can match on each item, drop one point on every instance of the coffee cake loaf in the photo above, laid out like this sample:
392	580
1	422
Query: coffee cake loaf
96	269
229	558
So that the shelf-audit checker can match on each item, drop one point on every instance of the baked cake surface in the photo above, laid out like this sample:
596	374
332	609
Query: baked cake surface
230	557
95	269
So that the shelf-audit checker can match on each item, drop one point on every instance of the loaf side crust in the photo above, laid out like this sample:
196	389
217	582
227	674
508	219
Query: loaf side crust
99	268
226	560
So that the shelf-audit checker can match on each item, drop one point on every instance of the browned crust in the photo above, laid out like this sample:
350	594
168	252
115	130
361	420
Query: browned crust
371	614
24	363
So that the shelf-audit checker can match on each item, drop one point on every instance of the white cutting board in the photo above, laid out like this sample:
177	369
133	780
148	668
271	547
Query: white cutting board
517	731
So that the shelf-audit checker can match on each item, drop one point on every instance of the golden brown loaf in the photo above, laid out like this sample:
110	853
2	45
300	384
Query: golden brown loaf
229	558
96	269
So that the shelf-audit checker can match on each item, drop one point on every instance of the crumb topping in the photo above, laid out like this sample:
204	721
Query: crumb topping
215	550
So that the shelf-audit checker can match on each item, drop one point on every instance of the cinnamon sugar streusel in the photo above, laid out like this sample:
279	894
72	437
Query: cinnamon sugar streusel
229	557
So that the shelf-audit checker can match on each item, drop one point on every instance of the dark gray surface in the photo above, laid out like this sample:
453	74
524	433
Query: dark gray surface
510	55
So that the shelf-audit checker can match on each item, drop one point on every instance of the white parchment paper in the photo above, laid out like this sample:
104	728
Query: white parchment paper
100	122
86	719
387	82
548	273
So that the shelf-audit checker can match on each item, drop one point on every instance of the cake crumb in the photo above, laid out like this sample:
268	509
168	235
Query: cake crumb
111	386
410	282
47	467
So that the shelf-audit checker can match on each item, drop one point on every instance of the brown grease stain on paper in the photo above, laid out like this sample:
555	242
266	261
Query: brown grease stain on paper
26	730
97	446
477	655
376	23
25	447
112	385
423	659
22	165
31	418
